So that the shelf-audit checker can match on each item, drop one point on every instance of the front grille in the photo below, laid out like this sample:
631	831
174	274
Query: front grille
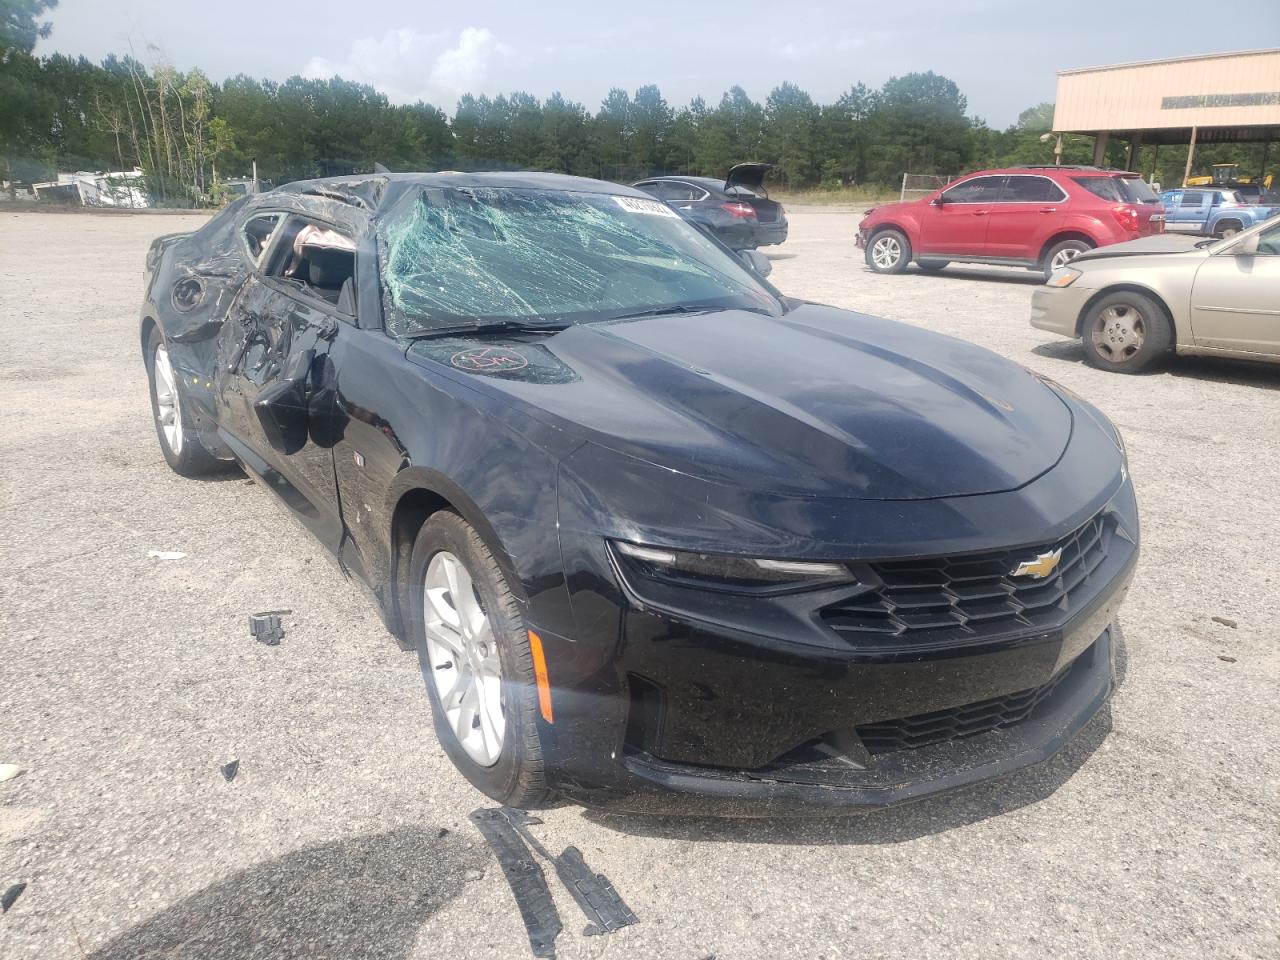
970	720
966	598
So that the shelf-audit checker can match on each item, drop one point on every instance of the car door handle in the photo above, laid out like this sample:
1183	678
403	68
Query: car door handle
1048	209
981	213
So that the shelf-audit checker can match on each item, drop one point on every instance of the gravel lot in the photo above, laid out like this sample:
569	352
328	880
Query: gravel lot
127	681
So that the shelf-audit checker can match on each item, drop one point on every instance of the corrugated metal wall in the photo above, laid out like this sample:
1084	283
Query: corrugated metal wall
1171	93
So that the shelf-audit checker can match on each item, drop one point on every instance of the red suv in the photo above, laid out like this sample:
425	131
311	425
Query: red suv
1035	217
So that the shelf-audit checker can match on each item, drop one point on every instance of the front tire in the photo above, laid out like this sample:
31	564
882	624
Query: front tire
473	648
179	442
1061	254
888	251
1126	332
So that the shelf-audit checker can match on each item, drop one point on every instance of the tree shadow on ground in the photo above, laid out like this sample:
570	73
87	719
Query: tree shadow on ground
364	897
899	824
1245	373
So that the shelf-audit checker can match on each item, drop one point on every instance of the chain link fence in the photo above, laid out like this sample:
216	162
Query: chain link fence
916	185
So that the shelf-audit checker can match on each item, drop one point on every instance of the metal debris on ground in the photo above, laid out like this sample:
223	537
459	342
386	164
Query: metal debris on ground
592	892
229	770
526	879
166	554
266	628
8	771
8	898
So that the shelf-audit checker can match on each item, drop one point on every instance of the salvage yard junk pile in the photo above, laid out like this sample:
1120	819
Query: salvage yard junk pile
554	427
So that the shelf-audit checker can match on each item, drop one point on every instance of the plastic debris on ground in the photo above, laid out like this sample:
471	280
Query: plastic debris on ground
229	770
8	771
8	898
166	554
266	628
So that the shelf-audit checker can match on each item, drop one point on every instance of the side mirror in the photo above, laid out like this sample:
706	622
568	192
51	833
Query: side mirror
757	262
1248	247
282	407
938	201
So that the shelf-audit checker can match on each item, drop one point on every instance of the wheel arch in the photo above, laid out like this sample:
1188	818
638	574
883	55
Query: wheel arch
148	324
1062	236
1223	222
415	496
1131	288
890	225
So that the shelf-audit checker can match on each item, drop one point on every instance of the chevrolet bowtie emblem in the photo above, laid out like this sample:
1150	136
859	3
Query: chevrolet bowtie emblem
1041	567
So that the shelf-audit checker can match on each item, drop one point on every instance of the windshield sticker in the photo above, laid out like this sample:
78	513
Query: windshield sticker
489	360
638	205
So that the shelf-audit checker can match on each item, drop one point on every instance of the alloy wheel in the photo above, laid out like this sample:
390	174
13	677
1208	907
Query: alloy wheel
464	659
1063	257
168	404
886	252
1119	332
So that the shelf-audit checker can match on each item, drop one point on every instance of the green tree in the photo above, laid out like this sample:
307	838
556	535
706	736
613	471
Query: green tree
21	26
650	121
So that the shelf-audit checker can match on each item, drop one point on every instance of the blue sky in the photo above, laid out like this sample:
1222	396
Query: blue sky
1002	54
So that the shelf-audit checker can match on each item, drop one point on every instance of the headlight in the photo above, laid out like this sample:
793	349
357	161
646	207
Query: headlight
726	572
1062	277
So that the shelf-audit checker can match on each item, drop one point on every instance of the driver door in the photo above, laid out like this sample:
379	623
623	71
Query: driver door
274	375
958	225
1235	298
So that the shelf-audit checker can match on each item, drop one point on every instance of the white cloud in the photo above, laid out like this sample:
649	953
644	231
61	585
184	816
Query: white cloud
408	65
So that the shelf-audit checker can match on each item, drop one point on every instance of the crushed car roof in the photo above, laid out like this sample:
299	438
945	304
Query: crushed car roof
379	191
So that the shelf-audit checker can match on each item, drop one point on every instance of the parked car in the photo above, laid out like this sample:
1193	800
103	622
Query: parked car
1132	303
1034	217
1256	193
1211	211
663	539
737	210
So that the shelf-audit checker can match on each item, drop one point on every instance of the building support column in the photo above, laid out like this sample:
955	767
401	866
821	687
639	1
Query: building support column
1100	148
1131	155
1191	154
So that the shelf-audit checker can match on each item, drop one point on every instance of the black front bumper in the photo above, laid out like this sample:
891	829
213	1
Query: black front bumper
726	717
822	787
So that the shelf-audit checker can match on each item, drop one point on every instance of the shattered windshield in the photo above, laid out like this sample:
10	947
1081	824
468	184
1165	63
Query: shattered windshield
460	255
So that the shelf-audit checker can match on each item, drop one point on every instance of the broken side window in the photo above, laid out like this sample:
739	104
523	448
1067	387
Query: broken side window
317	260
257	234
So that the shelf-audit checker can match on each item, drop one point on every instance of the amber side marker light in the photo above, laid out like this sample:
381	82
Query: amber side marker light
540	677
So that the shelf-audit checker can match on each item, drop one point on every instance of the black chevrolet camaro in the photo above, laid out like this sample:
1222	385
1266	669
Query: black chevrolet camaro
663	539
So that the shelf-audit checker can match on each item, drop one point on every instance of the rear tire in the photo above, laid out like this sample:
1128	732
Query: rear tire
932	266
1126	332
493	658
1060	254
1228	228
888	251
179	442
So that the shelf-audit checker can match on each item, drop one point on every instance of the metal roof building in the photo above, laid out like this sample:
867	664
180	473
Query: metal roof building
1229	97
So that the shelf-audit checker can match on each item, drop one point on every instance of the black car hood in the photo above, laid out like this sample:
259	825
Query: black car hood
821	402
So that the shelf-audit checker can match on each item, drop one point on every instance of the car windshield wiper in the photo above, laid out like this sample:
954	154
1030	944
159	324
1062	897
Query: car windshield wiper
484	327
662	311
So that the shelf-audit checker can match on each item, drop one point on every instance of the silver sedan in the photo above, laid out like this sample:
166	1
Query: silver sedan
1131	303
